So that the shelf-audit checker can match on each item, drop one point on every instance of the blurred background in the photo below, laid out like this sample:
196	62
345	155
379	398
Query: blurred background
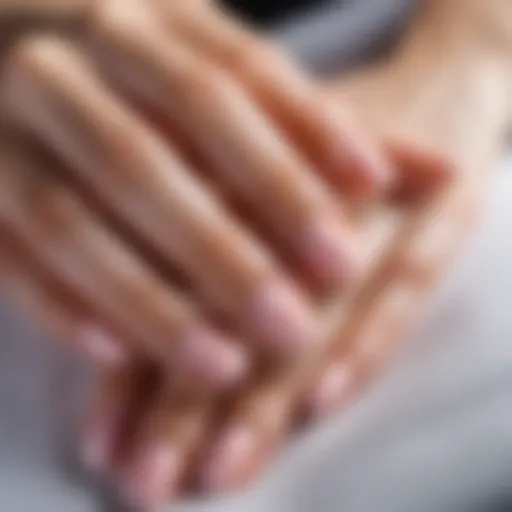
433	435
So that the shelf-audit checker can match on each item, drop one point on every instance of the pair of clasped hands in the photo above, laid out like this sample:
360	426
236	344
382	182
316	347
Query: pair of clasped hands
172	203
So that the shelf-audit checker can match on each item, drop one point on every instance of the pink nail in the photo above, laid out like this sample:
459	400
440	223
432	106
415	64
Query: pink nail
211	357
328	249
282	318
368	166
358	154
98	444
229	456
331	391
100	345
149	482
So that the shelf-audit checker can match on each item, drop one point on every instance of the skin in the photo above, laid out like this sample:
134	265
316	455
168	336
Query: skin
444	90
147	434
190	286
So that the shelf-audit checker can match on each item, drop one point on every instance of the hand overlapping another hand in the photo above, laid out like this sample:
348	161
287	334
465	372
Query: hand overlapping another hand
129	146
144	426
420	106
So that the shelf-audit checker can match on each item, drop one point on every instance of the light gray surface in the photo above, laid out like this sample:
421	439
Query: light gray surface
435	433
345	32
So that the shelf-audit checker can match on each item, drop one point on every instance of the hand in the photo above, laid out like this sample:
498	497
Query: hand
160	452
130	145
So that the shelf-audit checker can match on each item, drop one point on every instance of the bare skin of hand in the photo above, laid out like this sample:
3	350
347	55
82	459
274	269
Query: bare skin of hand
102	197
456	108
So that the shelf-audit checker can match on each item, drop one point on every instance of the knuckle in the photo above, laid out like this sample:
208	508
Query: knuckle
35	63
31	54
252	55
106	14
202	82
117	19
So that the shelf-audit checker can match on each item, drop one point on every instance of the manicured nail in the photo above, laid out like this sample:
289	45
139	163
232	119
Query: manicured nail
328	249
331	391
230	455
370	166
101	345
352	151
98	442
282	318
215	360
150	480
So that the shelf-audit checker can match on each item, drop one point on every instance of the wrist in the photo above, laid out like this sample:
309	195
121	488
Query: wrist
474	27
485	22
473	37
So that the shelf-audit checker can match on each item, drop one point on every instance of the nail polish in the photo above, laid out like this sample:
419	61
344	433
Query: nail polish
281	317
212	357
101	345
98	442
149	482
328	249
331	391
230	454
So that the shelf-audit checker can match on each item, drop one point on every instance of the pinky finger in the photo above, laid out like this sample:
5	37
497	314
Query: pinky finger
118	398
165	444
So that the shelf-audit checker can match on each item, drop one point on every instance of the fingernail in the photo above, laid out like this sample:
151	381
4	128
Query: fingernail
354	152
101	346
328	249
98	443
282	318
331	391
230	455
370	166
211	357
149	482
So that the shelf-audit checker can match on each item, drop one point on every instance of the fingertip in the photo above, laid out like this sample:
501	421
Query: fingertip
232	453
152	476
282	318
420	169
98	443
330	249
210	359
359	162
331	391
101	345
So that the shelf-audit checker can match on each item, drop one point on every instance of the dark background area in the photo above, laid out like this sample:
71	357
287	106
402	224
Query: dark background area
263	12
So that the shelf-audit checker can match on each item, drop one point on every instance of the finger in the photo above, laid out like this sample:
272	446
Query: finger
54	224
52	307
347	374
323	130
406	263
250	436
433	238
421	170
129	168
245	149
418	168
165	444
264	411
118	397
